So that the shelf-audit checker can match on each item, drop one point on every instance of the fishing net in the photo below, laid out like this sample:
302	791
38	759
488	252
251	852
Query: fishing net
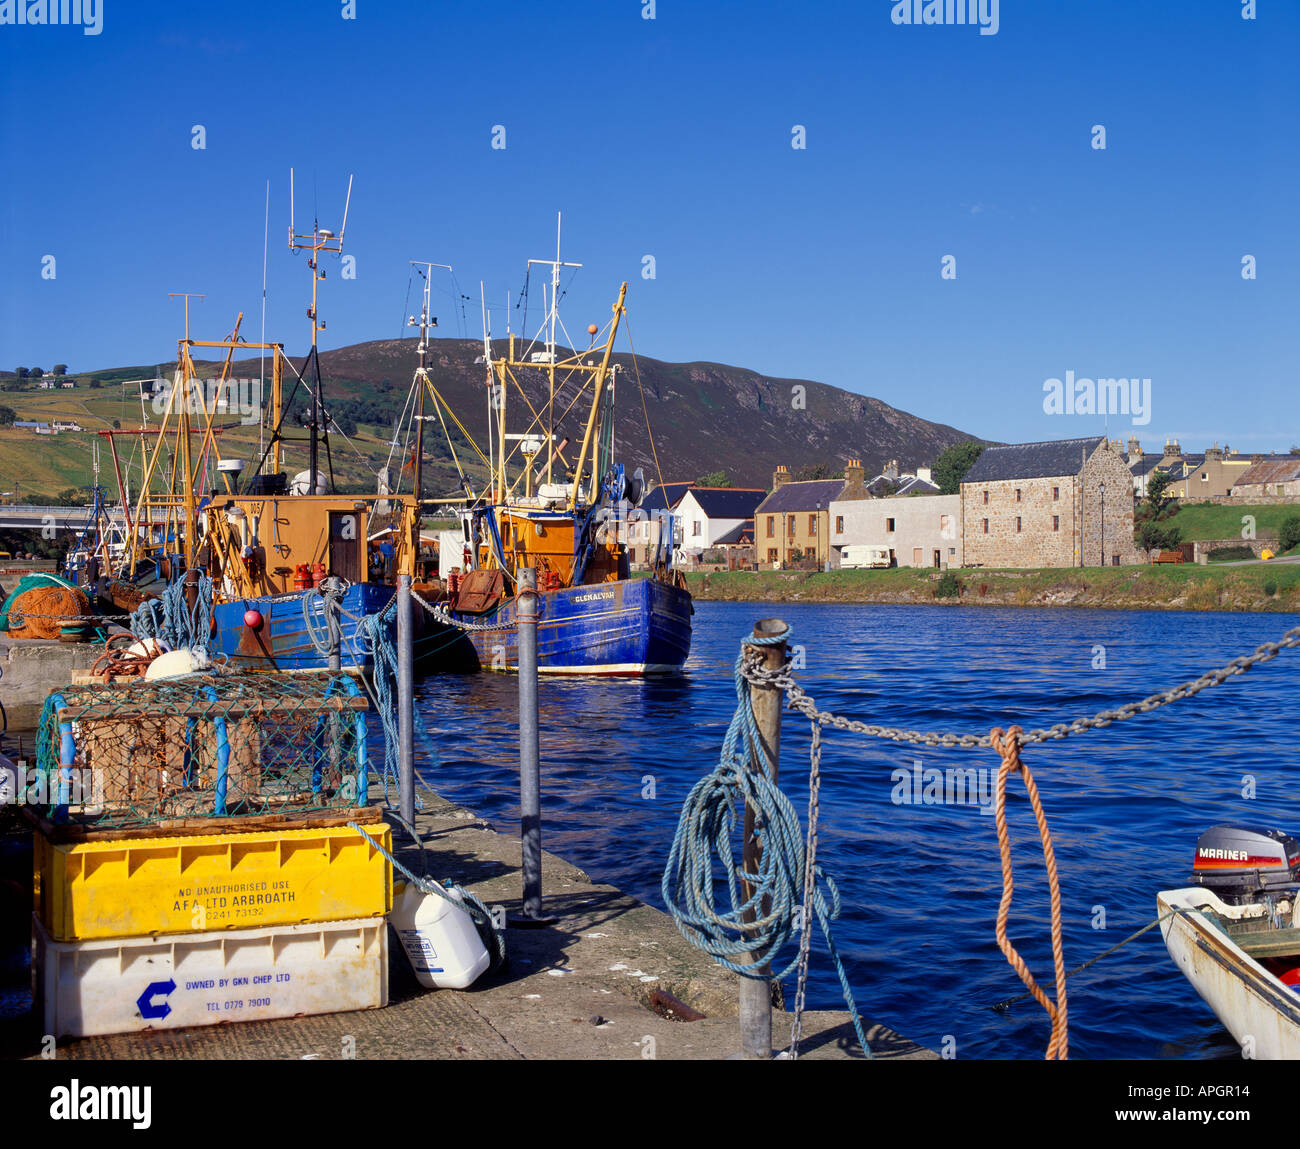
43	611
205	746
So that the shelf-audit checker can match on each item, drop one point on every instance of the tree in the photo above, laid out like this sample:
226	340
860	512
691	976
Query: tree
35	373
117	424
713	479
96	384
951	467
811	471
60	369
1153	537
7	416
21	372
1288	537
1158	504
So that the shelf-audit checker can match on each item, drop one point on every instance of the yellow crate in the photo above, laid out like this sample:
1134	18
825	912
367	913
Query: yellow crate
172	885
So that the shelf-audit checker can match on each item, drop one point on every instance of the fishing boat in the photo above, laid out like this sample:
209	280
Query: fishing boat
564	515
1235	934
279	552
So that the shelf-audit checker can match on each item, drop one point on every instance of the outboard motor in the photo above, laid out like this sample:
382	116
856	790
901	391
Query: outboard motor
1243	865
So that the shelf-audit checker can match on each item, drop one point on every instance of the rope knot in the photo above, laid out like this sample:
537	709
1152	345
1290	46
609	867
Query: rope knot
1007	743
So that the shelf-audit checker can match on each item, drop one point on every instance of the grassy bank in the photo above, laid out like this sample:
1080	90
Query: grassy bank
1260	587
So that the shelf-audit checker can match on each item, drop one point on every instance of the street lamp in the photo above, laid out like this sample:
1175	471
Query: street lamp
1103	522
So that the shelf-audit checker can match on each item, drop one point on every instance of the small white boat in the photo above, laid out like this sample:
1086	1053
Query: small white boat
1236	936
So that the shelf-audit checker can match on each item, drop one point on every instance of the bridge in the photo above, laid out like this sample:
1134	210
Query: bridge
36	518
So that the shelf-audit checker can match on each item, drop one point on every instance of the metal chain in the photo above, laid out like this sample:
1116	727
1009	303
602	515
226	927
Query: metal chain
442	616
22	615
798	699
809	884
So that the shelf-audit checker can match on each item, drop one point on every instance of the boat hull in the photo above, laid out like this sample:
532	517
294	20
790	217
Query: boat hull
1260	1012
282	641
629	628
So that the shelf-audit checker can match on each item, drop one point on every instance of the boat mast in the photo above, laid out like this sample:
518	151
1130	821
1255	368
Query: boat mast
320	239
598	391
552	316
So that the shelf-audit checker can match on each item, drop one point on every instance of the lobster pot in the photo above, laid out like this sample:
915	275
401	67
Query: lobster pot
121	985
218	746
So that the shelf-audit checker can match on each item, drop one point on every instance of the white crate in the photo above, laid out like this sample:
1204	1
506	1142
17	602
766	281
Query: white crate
120	985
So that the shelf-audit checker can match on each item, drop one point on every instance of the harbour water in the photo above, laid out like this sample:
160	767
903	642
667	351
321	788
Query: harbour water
921	881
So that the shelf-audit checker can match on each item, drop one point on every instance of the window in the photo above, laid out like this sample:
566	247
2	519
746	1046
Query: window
1056	493
790	527
696	527
986	498
1056	522
1205	476
986	526
812	524
1017	524
771	529
839	524
1017	494
889	525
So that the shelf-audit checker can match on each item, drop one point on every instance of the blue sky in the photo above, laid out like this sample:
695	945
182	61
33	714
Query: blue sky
672	137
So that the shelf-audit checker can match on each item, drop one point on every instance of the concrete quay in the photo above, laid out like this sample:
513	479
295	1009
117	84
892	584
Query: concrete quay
589	987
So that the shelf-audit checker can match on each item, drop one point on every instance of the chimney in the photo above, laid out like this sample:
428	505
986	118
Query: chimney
891	469
1172	449
781	477
1134	449
854	480
1213	453
925	474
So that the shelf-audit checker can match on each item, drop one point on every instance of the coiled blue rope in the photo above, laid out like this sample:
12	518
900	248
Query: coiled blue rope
168	619
710	816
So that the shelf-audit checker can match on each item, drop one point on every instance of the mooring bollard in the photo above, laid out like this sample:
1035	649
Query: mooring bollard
530	802
756	993
405	701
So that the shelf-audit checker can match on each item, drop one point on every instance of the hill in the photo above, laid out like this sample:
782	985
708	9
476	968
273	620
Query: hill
704	416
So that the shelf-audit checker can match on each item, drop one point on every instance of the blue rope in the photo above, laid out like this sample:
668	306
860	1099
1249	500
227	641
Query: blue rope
710	816
380	631
178	626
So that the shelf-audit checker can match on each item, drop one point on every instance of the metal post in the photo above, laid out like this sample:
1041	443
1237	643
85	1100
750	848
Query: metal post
405	701
333	625
756	993
530	807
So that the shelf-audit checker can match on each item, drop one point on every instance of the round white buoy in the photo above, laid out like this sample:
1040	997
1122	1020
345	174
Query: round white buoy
175	663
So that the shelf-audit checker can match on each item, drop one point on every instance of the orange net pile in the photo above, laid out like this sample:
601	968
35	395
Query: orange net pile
43	610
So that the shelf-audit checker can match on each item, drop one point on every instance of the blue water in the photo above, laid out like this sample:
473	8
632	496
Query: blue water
921	883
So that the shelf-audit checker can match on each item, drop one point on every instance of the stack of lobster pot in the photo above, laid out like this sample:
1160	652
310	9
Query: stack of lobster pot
197	857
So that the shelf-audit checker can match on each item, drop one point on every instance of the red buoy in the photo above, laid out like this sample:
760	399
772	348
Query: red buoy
252	619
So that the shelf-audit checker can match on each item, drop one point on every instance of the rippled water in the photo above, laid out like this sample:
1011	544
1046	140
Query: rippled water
921	883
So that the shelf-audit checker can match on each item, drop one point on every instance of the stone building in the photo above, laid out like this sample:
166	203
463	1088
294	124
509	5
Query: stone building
1275	476
1055	504
924	531
792	523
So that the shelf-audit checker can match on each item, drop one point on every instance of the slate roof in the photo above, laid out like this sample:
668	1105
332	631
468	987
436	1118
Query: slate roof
1032	460
727	502
665	497
1282	470
744	533
815	495
917	486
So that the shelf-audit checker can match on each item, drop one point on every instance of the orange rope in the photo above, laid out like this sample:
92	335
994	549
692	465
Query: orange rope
1008	746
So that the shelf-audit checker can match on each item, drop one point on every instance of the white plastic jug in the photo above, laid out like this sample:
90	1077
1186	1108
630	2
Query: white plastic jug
438	936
